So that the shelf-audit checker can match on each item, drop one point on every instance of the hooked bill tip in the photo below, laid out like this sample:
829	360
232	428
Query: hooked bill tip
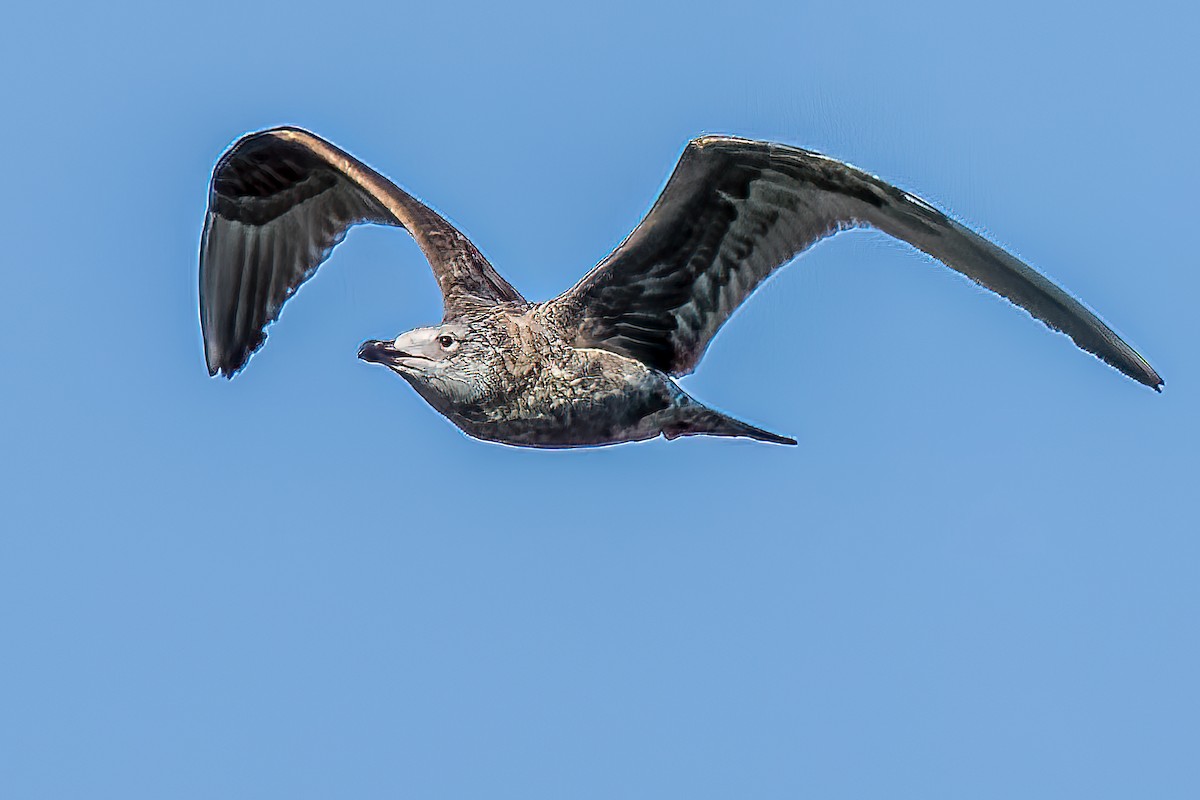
375	352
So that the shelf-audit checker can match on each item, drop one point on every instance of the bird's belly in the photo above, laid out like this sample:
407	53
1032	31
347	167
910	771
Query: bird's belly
624	412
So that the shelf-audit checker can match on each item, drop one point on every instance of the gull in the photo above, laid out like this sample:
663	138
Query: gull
595	365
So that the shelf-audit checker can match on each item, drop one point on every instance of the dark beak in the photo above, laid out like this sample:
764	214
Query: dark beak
378	352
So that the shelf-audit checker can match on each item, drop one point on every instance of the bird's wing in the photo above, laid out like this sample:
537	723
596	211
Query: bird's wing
735	210
279	201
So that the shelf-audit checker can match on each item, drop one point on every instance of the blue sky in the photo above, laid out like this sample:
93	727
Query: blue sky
976	576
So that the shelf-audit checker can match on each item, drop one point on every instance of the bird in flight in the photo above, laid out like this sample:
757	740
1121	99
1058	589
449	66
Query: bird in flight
593	366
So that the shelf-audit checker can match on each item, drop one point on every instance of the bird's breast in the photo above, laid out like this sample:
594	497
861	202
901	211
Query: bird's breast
580	398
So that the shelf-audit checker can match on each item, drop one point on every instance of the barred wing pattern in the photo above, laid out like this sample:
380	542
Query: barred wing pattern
735	210
280	200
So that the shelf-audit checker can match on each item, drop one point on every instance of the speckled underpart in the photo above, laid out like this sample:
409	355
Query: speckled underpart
594	365
538	390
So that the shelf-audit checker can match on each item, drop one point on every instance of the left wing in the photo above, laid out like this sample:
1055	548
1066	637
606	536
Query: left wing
735	210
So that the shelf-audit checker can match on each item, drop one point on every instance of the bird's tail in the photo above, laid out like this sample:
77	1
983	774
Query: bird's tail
695	420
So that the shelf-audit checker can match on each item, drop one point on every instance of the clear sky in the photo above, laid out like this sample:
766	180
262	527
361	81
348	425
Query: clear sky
976	576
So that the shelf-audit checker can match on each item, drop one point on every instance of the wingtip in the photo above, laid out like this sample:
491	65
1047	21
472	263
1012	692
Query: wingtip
776	438
231	369
1149	377
212	362
224	369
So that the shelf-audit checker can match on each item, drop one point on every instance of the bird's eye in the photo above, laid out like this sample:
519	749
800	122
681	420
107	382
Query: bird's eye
446	341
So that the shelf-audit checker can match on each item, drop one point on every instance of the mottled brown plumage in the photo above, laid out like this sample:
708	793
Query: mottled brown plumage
592	366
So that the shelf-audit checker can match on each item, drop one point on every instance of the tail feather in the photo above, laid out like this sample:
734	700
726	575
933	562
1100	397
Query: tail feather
697	420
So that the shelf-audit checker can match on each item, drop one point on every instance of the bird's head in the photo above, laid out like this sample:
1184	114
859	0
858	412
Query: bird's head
451	362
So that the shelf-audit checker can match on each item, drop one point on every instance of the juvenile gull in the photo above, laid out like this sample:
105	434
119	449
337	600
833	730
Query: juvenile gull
594	365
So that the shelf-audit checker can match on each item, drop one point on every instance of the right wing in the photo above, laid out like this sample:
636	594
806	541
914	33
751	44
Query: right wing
279	201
